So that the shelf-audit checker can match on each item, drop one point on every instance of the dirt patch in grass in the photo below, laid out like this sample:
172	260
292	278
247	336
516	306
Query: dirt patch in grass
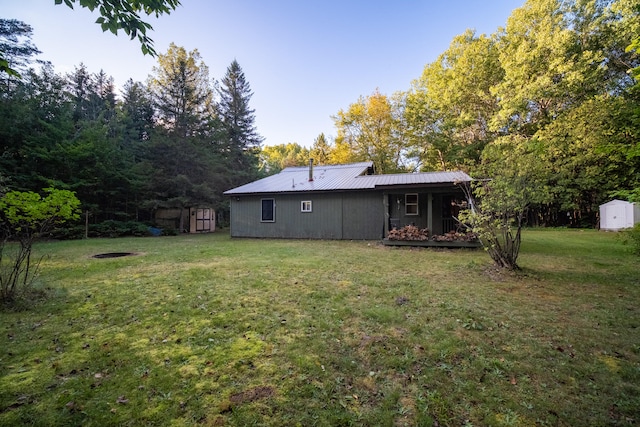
251	395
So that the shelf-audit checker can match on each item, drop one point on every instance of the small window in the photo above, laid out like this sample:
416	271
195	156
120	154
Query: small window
305	206
268	210
411	204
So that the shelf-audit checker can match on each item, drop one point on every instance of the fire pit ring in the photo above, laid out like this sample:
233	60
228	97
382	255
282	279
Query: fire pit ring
113	255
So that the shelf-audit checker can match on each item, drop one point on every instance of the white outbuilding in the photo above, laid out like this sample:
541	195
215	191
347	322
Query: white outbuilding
617	215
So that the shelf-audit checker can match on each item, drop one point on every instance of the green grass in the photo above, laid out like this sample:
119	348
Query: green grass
206	330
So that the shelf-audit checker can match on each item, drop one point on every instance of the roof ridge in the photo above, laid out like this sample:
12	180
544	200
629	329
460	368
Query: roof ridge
412	173
338	166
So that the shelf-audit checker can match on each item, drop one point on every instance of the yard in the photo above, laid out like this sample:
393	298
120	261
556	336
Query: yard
206	330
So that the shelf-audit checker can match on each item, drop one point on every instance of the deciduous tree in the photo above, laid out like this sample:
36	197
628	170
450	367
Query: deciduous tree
514	182
590	155
274	158
449	107
547	69
116	15
370	128
26	216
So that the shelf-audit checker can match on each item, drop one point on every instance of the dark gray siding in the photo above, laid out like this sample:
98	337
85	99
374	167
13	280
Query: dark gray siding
397	210
353	215
363	216
350	215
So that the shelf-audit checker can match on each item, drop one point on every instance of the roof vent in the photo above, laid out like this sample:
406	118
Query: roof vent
310	170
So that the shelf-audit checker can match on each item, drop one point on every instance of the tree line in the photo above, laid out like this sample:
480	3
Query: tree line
175	141
550	101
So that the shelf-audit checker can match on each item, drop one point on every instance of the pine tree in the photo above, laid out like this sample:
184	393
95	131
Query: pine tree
321	150
184	168
182	93
241	140
16	50
136	112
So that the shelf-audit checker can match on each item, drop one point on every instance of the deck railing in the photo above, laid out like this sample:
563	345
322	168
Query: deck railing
449	224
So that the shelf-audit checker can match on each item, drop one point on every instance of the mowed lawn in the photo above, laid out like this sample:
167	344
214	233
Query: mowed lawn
209	330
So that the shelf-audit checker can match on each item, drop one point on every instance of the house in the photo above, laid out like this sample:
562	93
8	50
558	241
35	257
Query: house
618	214
344	202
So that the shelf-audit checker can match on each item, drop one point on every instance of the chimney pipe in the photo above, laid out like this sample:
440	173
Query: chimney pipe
310	170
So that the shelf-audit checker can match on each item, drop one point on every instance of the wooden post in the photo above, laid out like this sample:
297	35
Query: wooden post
430	212
385	204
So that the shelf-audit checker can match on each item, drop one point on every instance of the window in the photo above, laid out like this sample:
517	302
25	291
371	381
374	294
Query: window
268	210
411	204
305	206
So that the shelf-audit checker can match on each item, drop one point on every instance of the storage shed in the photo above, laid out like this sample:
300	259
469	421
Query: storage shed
618	214
192	220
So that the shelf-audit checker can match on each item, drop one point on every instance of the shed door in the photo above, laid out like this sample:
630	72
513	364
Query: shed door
615	215
203	219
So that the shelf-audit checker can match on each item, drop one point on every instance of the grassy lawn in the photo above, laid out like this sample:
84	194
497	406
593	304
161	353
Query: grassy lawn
206	330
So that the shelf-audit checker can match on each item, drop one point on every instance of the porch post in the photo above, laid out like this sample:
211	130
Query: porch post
430	212
385	206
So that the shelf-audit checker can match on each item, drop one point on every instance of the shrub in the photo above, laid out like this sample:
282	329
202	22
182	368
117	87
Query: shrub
632	237
170	232
26	216
71	232
118	229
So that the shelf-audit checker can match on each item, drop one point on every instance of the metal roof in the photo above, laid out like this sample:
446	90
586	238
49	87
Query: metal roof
340	178
422	178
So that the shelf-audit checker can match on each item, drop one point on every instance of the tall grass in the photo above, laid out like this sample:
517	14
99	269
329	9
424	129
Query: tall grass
208	330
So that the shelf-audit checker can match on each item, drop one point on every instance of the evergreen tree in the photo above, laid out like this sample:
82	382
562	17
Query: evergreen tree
182	173
136	113
183	168
16	49
135	123
93	95
35	119
182	93
241	139
321	150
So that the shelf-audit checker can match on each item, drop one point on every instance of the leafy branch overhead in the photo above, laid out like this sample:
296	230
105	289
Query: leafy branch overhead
125	15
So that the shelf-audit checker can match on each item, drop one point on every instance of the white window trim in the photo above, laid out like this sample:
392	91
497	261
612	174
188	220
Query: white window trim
407	204
304	204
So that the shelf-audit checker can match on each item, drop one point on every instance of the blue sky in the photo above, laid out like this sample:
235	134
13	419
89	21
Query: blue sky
305	59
